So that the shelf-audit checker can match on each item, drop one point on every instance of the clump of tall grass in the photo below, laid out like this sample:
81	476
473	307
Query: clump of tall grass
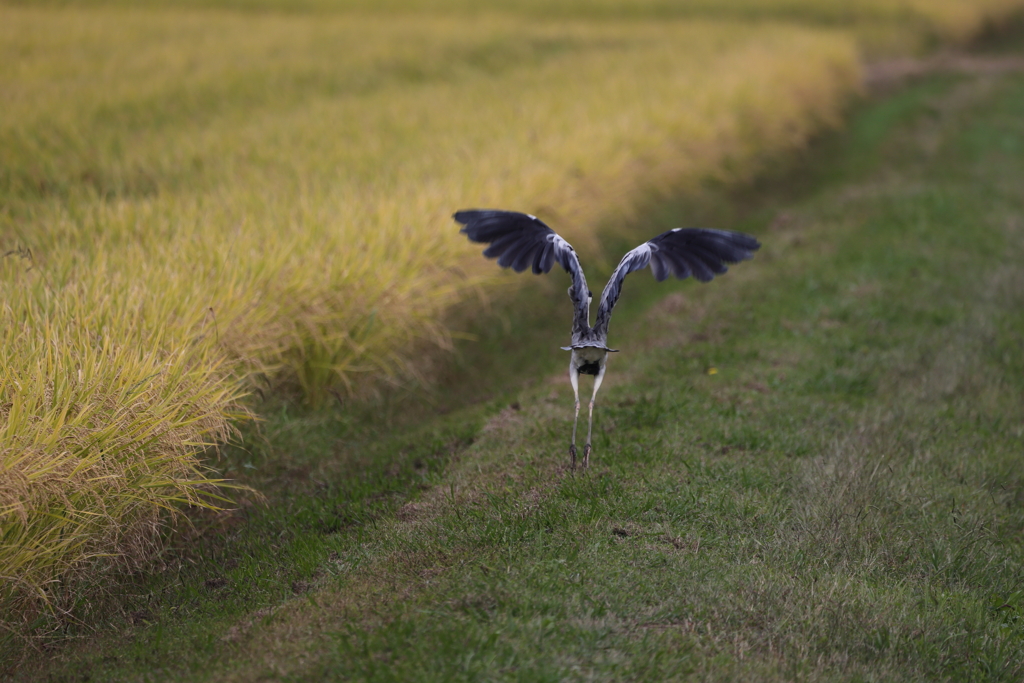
959	21
318	227
102	412
882	26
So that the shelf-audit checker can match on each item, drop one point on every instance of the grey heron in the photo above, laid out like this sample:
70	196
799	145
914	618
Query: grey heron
520	241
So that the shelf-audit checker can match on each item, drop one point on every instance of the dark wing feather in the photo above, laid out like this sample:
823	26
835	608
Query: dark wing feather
520	241
703	268
681	252
544	259
524	244
659	267
500	245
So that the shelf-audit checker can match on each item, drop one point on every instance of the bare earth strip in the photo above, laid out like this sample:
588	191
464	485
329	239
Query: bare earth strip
887	74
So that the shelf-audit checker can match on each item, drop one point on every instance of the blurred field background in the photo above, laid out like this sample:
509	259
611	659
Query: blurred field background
203	200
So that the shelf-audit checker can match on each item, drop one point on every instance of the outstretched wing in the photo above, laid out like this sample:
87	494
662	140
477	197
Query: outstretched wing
682	252
519	241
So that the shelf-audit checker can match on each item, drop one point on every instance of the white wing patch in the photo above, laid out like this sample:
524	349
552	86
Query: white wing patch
635	259
559	243
641	253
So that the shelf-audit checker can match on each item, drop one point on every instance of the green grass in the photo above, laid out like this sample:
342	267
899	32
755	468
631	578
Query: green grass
198	206
841	501
199	203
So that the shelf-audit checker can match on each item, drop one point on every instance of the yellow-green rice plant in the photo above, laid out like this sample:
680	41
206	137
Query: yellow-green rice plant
958	21
320	216
882	26
102	416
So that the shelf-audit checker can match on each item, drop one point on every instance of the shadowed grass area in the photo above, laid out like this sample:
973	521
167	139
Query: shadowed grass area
840	499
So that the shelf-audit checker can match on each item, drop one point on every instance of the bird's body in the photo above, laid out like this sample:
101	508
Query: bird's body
589	360
520	241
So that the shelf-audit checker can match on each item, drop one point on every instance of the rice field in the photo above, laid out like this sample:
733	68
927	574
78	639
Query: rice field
198	203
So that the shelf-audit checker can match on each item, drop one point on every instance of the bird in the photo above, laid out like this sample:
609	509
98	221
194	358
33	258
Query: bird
521	240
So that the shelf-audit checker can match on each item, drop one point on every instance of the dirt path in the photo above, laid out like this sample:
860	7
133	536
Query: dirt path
884	76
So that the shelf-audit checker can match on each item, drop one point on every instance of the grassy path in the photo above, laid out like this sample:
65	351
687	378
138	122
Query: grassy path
842	499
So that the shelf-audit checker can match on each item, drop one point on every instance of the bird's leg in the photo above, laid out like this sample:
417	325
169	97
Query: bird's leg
590	422
574	377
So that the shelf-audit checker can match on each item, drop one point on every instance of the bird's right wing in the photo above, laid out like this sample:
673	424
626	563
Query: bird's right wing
519	241
682	252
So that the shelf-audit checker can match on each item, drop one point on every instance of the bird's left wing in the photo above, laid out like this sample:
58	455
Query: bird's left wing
682	252
519	241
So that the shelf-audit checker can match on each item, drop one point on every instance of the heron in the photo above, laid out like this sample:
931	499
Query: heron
521	240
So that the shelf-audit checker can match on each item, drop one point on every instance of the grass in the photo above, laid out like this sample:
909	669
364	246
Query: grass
200	204
840	500
889	26
241	203
91	468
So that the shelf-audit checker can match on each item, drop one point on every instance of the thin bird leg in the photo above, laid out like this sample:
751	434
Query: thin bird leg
574	377
590	422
